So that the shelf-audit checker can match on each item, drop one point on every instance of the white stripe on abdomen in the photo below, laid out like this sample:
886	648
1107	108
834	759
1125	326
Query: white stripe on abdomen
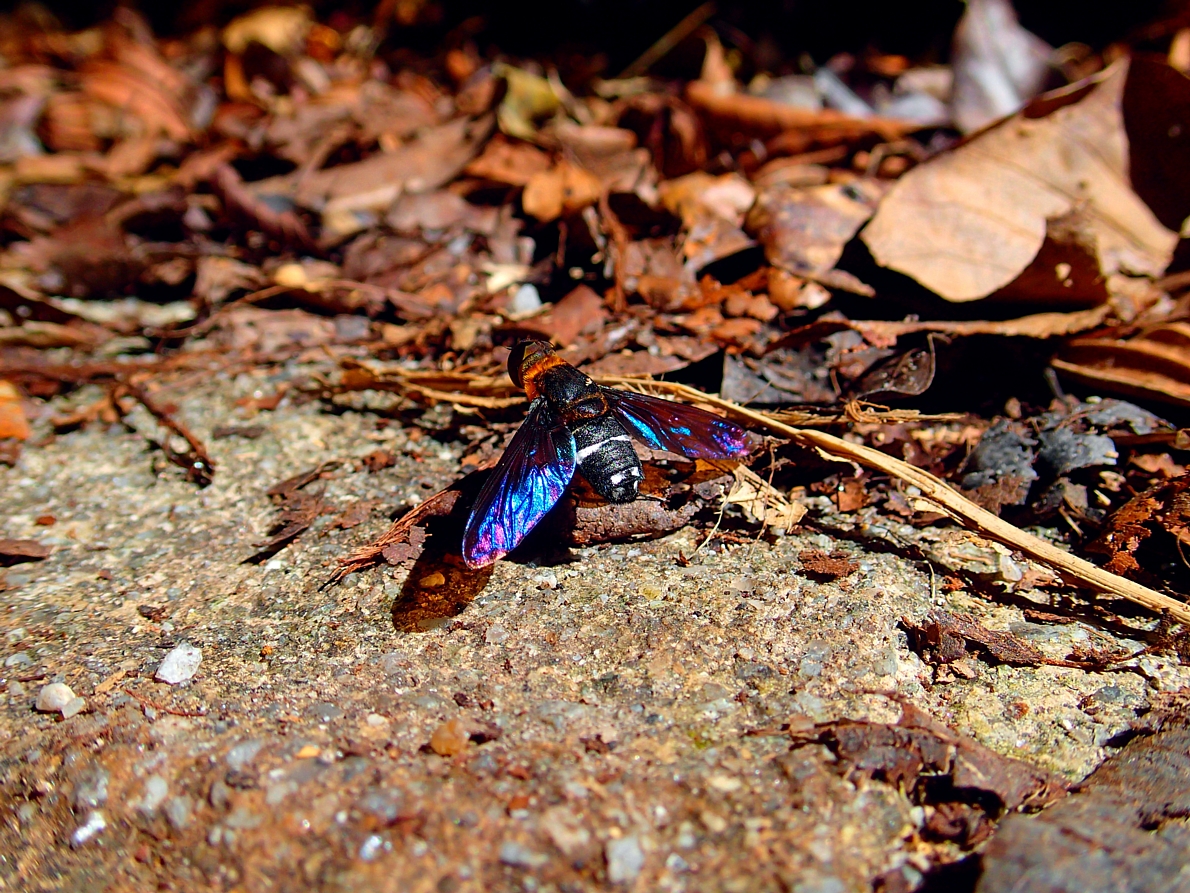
596	447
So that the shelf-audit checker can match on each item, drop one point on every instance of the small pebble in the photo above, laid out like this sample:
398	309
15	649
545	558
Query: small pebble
371	847
94	823
716	824
73	707
219	795
625	859
15	689
91	790
525	300
243	753
156	790
54	697
180	664
325	712
496	634
520	856
178	811
450	738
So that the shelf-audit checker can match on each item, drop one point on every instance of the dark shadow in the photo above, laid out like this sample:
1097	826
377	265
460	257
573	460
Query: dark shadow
439	585
954	877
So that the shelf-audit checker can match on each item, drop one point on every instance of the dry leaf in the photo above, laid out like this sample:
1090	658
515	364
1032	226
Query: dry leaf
712	210
18	551
508	161
282	29
744	114
1164	506
563	189
998	65
12	416
970	221
804	230
761	501
1157	114
1154	364
347	193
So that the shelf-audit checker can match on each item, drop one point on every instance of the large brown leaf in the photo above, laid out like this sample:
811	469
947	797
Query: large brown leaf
968	222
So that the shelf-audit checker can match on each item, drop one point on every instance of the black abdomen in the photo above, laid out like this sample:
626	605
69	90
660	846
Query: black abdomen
607	460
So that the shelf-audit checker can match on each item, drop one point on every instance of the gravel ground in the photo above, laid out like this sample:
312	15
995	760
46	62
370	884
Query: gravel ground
611	719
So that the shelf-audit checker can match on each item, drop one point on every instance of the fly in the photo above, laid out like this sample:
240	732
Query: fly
575	424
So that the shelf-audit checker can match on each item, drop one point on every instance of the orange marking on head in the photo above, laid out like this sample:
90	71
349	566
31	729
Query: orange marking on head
531	372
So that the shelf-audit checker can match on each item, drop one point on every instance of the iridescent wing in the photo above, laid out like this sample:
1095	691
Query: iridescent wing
676	427
525	484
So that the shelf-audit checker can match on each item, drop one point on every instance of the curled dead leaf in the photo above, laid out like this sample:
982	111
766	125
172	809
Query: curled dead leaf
1154	364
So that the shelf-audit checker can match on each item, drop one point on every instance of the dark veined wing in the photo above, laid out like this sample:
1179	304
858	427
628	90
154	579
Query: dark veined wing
681	429
525	484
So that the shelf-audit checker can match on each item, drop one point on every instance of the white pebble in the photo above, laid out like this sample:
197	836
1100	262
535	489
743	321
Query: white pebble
156	790
73	707
525	300
93	825
625	859
180	664
54	697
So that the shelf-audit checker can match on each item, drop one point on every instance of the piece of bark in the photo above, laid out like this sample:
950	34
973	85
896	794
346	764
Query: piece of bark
1123	832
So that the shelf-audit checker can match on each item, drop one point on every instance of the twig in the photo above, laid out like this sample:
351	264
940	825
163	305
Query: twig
170	710
963	509
616	247
670	39
199	466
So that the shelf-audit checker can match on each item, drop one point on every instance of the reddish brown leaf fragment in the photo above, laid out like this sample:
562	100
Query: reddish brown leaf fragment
580	312
1164	506
945	638
283	225
17	551
355	514
378	460
286	488
406	530
296	514
851	495
409	550
912	753
10	451
820	566
506	161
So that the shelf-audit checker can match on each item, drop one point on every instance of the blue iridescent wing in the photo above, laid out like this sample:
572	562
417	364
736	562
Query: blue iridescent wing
676	427
525	484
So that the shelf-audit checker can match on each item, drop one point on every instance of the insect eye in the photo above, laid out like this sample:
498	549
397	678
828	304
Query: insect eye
523	355
515	358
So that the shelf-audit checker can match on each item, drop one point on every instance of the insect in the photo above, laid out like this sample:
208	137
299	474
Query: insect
575	424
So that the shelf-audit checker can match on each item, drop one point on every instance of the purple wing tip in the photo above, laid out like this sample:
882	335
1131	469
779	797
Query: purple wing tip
734	439
482	551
